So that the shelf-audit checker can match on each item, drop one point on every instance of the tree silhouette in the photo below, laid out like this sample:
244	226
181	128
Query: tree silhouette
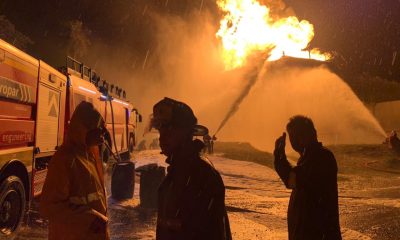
9	33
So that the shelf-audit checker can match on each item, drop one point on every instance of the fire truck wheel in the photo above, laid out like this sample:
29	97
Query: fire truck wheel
12	204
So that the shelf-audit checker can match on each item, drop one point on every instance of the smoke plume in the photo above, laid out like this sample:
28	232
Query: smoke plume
185	64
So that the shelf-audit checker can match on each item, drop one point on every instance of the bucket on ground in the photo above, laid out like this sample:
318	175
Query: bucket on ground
123	180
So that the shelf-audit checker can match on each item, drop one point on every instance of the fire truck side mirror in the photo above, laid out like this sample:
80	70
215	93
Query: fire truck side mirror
138	115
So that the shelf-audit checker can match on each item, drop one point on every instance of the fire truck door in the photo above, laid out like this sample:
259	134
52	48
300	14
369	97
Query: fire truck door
48	113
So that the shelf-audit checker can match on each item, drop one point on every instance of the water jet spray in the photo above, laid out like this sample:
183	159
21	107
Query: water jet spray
252	75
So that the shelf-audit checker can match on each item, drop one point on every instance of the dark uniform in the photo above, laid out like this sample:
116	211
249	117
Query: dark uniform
313	208
191	199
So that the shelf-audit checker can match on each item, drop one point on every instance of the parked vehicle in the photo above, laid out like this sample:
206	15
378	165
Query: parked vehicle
36	103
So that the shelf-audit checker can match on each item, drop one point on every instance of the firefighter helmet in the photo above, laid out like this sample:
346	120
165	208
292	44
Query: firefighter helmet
169	112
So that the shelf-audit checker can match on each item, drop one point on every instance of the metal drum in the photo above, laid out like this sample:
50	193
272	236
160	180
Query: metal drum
150	180
123	180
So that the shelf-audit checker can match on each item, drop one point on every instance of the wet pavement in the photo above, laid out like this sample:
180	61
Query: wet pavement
257	202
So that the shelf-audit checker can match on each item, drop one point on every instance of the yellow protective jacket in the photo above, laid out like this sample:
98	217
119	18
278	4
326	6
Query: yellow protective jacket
73	195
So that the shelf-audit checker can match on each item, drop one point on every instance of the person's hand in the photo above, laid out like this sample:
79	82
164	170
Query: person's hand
280	144
98	225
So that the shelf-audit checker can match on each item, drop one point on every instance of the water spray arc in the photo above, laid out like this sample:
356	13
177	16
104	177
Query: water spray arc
252	76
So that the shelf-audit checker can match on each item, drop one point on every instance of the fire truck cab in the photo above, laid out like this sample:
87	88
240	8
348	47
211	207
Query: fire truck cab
36	103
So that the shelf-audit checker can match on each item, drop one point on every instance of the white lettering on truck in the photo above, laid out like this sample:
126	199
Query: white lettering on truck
8	91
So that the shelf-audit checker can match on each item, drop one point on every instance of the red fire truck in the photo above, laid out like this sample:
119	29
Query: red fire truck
36	103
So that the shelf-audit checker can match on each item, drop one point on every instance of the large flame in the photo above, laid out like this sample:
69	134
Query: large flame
248	27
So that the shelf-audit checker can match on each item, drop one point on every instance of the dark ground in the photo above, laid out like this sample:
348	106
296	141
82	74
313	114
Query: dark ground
369	192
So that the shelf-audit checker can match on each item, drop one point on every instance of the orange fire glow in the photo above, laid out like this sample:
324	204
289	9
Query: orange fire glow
248	27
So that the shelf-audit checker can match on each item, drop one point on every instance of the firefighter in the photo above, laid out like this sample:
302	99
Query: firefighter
191	199
73	197
394	141
313	212
207	143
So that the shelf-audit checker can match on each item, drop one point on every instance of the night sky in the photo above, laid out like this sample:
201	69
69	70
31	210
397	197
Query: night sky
363	34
